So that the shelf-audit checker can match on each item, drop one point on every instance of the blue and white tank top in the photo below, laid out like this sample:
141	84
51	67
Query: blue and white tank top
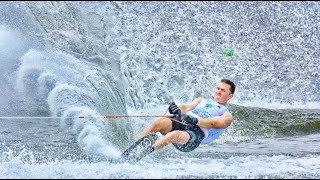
208	108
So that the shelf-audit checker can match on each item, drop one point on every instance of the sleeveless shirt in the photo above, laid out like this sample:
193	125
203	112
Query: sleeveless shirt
208	108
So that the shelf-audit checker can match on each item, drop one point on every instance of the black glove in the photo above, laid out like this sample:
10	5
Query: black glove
173	109
189	119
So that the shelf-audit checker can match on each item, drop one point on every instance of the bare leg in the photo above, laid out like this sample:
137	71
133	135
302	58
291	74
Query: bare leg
163	125
179	137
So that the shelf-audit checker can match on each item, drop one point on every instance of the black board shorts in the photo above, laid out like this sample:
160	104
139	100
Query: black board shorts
196	136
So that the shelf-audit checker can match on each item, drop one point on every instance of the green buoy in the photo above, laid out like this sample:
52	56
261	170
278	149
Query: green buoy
228	52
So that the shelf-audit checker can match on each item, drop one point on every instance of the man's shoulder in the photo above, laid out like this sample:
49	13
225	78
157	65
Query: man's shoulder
198	99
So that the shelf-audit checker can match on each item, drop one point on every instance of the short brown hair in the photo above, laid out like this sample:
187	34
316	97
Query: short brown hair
232	85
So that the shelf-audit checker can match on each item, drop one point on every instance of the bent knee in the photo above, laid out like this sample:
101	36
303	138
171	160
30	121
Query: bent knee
163	125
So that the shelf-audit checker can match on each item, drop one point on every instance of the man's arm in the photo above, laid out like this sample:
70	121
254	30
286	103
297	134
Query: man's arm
187	107
222	121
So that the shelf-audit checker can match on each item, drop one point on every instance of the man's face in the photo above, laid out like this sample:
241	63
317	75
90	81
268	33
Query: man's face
222	93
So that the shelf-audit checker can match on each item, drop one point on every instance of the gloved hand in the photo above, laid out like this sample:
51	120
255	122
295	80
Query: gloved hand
173	109
189	119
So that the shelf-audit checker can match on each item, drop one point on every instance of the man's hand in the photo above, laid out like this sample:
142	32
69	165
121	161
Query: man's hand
173	109
189	119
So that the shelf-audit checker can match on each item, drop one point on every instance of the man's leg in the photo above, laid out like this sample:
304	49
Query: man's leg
163	125
178	137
